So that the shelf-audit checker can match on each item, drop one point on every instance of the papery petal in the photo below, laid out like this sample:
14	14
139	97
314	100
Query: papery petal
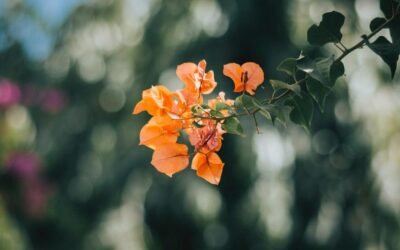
208	84
153	135
170	158
234	71
255	76
156	101
209	167
185	73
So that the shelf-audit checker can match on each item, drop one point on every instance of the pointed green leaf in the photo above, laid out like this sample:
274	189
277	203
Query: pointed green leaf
246	102
232	126
302	111
288	66
217	114
276	85
325	70
222	106
276	112
328	30
318	91
387	51
389	8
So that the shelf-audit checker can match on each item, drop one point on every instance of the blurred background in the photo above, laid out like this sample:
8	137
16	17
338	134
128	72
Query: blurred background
72	175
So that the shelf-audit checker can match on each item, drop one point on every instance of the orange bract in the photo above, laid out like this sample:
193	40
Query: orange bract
170	158
246	77
156	101
153	135
208	166
195	77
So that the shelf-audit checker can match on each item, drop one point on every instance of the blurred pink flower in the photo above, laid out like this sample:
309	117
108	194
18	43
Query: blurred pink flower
10	93
52	100
23	164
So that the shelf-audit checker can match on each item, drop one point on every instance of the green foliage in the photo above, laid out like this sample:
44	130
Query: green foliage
328	31
318	91
288	66
390	9
376	23
277	85
232	126
387	51
325	70
274	113
222	106
302	110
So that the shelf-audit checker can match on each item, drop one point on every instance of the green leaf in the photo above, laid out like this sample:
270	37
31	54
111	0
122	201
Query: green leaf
328	30
197	125
222	106
217	114
276	85
302	111
387	51
325	70
376	23
288	66
246	102
274	112
232	126
388	8
205	106
336	71
318	92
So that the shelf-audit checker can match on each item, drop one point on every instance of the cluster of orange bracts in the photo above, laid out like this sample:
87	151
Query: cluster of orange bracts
173	111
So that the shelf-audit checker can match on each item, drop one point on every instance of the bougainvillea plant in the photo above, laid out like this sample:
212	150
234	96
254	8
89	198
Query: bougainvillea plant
310	82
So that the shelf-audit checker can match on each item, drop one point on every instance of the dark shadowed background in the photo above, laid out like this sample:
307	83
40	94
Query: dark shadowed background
72	175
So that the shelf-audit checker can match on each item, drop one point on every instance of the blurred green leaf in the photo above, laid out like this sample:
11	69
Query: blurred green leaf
318	91
288	66
222	106
232	126
215	113
302	110
246	102
328	30
276	85
274	113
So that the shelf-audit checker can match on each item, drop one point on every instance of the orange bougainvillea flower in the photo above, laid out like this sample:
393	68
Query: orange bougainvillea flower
195	78
208	166
156	100
246	77
159	130
170	158
207	138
